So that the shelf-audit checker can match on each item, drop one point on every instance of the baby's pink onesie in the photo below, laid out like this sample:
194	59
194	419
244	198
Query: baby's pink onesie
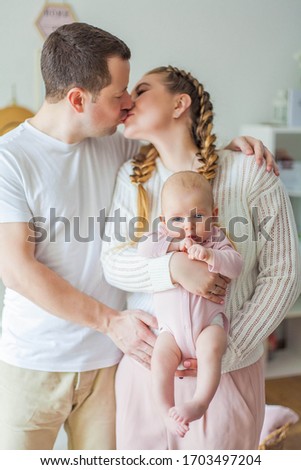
178	311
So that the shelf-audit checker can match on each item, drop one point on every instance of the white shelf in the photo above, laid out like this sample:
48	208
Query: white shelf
283	129
294	193
287	361
295	311
274	128
274	136
284	363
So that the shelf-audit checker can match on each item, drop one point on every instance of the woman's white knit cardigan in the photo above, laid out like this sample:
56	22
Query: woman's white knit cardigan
256	211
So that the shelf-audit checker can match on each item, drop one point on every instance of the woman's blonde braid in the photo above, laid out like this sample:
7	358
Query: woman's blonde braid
143	165
202	124
208	155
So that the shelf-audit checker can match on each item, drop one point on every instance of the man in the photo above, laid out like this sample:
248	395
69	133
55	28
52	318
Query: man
63	325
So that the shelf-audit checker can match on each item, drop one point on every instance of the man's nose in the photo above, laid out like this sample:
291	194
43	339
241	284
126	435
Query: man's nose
127	101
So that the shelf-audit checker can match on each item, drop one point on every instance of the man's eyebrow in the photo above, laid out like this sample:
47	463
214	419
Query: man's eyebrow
122	91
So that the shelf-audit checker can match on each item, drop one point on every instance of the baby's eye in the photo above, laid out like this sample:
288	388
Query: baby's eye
177	219
198	216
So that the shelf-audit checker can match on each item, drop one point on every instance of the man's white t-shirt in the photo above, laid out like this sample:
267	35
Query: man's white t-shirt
67	189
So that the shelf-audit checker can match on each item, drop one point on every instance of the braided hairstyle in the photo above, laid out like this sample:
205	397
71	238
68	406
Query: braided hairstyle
201	115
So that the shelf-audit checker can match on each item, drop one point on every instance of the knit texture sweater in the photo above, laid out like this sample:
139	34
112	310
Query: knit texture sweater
256	212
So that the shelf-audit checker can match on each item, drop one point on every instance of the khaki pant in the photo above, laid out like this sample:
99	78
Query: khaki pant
35	404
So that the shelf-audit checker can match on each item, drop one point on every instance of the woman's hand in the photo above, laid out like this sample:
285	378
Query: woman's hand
195	277
190	371
251	146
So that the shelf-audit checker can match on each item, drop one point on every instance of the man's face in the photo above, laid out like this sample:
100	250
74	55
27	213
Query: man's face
109	109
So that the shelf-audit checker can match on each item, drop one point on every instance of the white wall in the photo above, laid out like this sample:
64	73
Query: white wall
1	299
240	49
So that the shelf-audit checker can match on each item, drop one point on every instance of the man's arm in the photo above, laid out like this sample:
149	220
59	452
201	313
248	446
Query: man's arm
254	147
22	272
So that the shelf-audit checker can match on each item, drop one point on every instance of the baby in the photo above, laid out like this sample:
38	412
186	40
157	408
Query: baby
190	326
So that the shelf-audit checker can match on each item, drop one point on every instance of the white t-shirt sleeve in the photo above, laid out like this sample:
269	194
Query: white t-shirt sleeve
13	204
128	148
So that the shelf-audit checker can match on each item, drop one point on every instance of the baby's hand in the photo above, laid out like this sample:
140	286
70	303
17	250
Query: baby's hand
198	252
186	244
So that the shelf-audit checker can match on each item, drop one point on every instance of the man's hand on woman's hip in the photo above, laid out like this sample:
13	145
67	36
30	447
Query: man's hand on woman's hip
130	331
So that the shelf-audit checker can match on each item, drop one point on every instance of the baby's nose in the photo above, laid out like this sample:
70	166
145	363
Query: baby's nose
188	228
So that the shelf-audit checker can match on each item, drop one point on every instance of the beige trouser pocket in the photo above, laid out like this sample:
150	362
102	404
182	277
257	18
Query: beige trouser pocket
35	404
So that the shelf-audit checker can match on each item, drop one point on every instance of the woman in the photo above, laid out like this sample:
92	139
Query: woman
174	112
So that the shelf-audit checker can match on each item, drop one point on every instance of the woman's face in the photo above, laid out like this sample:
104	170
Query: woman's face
153	109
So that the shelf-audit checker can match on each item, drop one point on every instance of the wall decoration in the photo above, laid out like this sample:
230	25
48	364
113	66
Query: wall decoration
12	116
52	16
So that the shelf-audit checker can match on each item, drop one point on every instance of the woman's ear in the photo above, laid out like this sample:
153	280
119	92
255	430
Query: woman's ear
182	103
76	97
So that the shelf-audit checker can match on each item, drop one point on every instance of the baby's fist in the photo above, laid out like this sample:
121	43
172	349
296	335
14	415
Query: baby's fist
197	252
186	244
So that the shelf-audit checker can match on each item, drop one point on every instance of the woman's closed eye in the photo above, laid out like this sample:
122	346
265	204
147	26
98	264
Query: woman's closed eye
139	92
142	88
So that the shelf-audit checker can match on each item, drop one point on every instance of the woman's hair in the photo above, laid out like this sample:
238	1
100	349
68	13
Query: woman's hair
201	114
76	54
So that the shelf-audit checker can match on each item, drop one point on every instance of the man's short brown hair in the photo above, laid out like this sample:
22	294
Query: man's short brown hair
76	54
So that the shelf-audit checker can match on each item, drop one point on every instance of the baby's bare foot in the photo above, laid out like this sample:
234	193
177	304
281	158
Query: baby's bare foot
187	412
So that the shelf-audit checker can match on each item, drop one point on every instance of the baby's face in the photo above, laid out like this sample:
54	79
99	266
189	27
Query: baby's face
187	215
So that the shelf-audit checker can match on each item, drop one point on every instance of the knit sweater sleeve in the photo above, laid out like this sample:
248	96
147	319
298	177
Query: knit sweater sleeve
123	266
279	277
